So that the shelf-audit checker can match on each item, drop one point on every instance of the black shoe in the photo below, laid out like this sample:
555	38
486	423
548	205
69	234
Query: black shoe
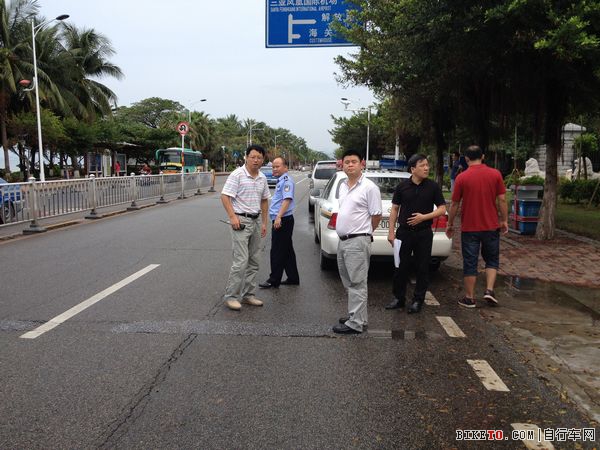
290	283
343	321
343	329
490	297
395	304
266	285
415	307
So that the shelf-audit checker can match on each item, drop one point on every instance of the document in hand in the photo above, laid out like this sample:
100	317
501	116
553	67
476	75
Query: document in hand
397	245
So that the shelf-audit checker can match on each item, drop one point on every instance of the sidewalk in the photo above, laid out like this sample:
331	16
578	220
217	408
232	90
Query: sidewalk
568	259
549	312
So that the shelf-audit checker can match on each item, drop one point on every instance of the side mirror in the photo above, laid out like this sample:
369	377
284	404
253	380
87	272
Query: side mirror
309	175
315	192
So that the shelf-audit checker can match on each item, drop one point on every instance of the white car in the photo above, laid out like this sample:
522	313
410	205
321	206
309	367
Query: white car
326	210
321	174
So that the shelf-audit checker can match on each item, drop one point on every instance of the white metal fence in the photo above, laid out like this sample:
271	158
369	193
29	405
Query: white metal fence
22	202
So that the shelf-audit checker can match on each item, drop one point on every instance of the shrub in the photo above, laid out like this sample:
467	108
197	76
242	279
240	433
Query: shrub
515	179
578	191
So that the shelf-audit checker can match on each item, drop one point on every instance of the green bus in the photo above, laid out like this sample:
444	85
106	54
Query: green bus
169	160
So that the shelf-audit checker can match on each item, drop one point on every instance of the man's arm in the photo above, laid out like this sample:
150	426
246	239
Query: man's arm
503	208
393	219
451	217
264	209
233	218
417	218
375	221
285	204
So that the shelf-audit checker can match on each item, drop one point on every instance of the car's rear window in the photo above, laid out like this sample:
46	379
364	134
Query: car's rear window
387	186
324	172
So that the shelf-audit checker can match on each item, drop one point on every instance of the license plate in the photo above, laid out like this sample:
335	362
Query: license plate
385	224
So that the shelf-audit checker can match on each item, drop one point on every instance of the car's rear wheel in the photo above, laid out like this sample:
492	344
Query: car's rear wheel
8	212
326	263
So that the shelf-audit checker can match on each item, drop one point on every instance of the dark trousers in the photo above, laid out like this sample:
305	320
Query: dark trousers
415	252
283	257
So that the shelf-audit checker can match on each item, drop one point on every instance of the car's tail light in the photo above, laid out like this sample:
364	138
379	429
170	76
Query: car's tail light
439	223
332	221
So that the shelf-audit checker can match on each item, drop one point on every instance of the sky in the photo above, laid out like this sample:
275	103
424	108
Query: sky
194	49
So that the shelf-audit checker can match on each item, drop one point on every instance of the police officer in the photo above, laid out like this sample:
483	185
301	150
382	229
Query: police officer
412	207
281	212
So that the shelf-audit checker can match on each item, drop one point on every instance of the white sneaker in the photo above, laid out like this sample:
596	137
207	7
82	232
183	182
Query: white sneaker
233	304
252	301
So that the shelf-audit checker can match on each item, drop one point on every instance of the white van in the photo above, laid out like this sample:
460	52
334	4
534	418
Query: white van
321	174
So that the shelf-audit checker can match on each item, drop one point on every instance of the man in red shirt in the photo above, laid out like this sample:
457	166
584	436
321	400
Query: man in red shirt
479	189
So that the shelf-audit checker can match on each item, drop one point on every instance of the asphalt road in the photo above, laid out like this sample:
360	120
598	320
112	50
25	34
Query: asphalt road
159	362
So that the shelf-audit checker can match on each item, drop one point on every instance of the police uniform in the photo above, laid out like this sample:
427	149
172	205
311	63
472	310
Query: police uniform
283	257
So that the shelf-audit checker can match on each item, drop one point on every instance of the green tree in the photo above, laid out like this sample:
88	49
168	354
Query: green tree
15	20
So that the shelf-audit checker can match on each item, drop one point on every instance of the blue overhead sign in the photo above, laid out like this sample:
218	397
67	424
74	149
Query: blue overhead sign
305	23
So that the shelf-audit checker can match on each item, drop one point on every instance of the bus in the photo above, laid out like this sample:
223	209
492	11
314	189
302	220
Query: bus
169	160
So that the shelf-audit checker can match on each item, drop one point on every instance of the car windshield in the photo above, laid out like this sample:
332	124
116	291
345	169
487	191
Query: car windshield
325	172
266	170
387	186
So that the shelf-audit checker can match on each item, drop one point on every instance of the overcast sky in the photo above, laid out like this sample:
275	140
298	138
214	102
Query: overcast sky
192	49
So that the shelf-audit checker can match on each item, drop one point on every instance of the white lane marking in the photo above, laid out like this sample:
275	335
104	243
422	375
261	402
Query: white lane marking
532	436
56	321
450	326
488	377
304	179
430	299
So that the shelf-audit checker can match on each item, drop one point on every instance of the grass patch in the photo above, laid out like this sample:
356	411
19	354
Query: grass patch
579	220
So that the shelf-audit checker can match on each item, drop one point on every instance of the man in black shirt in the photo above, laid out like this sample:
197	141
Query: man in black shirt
412	208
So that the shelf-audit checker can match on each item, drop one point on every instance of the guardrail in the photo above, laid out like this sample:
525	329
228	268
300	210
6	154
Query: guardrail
35	200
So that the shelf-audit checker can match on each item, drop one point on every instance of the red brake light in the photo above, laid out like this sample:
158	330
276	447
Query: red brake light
332	221
440	223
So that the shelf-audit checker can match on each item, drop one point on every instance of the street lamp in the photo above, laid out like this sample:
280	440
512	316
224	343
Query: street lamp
276	136
346	102
190	111
34	29
251	127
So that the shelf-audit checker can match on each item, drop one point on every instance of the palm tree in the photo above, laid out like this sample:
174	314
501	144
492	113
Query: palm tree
15	18
201	130
85	61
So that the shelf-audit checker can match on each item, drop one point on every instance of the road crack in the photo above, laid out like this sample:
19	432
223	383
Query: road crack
131	412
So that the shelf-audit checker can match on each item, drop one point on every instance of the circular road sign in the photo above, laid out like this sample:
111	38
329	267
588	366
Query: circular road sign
183	128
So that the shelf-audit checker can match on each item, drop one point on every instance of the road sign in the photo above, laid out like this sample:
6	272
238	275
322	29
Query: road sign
183	128
305	23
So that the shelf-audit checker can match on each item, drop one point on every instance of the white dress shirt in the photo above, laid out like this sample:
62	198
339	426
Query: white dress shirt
357	205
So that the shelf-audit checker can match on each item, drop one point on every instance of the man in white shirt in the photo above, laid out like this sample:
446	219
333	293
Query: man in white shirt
359	214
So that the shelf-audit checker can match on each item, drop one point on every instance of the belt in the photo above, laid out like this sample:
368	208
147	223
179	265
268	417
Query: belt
250	216
409	228
350	236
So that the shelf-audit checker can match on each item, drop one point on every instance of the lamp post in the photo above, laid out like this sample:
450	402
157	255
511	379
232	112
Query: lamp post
190	119
347	102
34	29
276	136
190	111
250	128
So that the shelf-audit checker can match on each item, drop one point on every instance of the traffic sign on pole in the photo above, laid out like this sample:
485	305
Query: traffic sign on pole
183	128
305	23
